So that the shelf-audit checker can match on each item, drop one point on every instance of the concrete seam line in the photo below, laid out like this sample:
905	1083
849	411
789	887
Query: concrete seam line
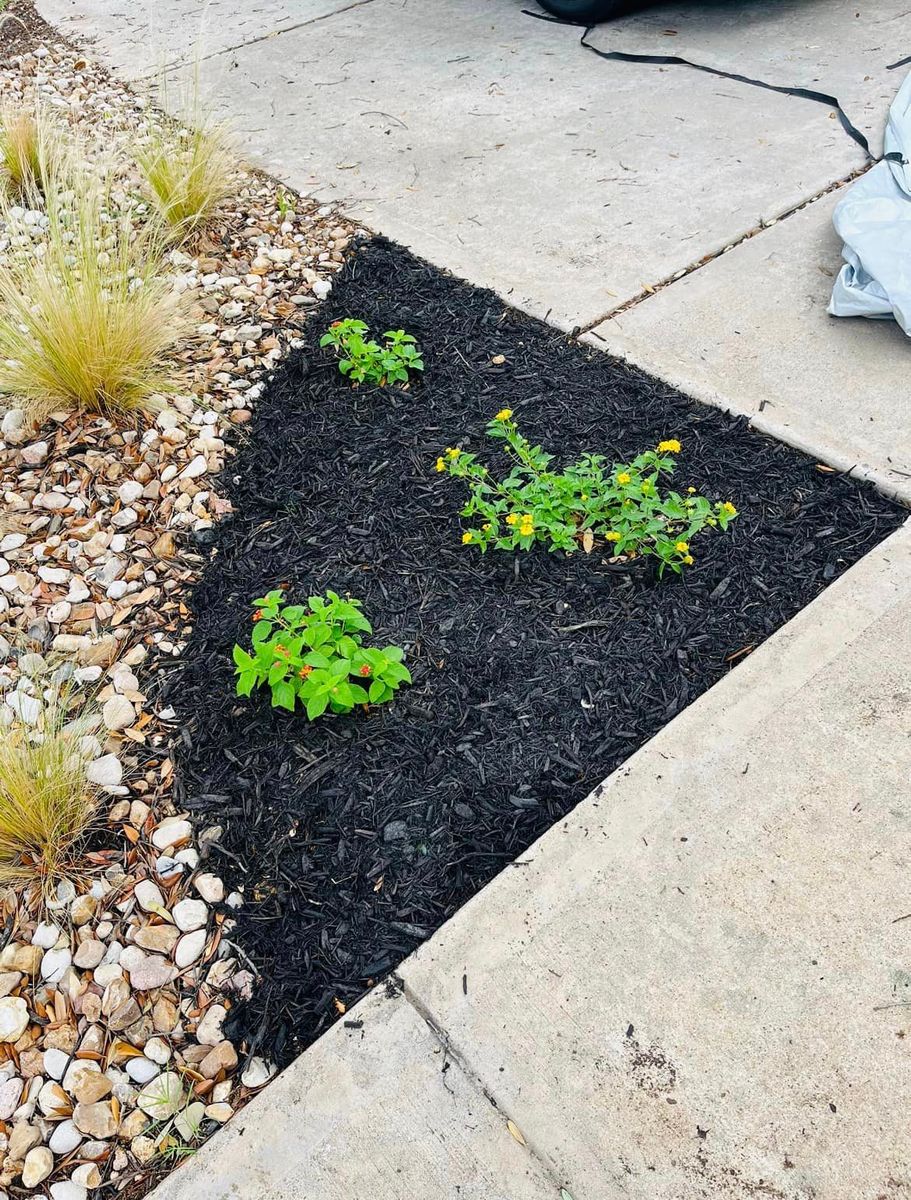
182	62
683	272
544	1162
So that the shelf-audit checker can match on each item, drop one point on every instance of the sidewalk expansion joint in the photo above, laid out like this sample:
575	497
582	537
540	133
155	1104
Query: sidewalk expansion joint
652	289
396	986
183	62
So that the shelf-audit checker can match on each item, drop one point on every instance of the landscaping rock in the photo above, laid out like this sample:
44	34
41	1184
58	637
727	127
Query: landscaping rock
39	1163
13	1018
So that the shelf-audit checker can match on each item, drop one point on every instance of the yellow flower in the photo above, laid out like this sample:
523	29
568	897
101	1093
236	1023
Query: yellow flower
512	519
729	508
671	446
585	495
624	477
682	547
503	415
466	538
451	453
612	536
441	464
688	560
486	527
647	486
691	490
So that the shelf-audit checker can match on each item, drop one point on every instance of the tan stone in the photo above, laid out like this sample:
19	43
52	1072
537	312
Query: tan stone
222	1057
23	1137
97	1120
160	938
92	1087
19	957
164	1015
132	1125
61	1037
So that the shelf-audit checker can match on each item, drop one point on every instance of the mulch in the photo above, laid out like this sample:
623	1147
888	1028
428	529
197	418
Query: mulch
535	675
22	30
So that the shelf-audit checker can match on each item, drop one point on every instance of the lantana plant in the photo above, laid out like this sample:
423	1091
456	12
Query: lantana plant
619	504
366	361
312	654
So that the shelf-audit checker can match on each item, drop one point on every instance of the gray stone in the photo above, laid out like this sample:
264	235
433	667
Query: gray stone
190	914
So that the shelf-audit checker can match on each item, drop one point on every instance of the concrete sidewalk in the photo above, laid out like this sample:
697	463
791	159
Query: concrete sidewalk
497	147
694	986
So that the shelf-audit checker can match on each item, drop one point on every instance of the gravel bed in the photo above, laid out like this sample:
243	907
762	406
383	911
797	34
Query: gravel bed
113	996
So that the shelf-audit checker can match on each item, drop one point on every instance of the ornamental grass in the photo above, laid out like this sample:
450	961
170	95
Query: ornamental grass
88	315
29	146
189	169
46	799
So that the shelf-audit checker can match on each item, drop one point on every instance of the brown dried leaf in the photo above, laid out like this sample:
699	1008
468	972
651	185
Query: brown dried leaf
516	1132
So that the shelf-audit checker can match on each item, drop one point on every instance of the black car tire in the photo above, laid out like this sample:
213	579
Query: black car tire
585	10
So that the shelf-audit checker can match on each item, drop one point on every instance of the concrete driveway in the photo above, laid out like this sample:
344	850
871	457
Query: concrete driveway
496	146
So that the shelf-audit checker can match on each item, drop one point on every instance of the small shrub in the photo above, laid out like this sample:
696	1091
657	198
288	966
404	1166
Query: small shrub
89	321
189	171
28	143
313	654
366	361
46	800
620	504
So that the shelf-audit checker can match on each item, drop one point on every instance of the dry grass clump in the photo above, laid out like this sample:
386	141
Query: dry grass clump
87	313
21	150
46	799
189	171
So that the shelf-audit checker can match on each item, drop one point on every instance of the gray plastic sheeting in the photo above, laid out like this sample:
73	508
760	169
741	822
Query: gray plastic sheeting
874	222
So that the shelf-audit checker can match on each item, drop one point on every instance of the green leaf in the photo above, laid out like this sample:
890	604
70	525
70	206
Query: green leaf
262	631
315	659
246	683
317	705
283	696
358	694
242	658
377	692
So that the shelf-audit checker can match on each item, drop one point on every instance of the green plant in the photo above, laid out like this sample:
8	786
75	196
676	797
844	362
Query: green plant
89	321
190	169
284	204
313	654
46	799
620	503
367	361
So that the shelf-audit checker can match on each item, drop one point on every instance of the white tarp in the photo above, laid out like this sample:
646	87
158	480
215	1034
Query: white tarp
874	222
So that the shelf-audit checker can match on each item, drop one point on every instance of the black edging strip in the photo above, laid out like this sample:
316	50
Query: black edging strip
675	60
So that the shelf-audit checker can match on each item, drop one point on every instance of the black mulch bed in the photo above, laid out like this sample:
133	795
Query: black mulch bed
535	675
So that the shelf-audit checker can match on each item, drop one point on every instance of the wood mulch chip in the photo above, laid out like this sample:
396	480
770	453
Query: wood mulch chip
535	675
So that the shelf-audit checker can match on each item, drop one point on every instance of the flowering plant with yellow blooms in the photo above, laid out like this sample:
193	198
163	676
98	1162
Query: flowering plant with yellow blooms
592	501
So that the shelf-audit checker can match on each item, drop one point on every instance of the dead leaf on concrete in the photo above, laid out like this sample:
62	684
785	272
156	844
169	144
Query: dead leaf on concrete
516	1132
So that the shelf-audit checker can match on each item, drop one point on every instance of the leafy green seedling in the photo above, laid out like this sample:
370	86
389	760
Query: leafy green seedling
312	654
366	361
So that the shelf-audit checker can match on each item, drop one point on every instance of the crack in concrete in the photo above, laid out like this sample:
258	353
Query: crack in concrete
452	1054
651	290
183	62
